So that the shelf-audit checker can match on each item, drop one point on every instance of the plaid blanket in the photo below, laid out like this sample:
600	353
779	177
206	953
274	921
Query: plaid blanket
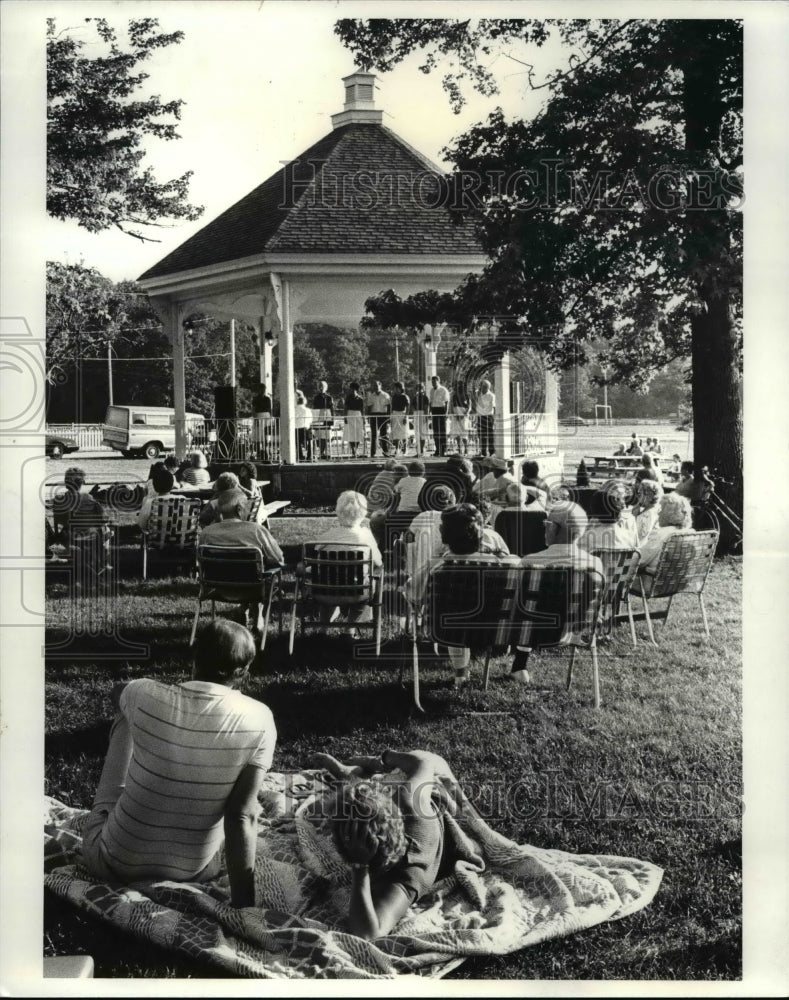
501	896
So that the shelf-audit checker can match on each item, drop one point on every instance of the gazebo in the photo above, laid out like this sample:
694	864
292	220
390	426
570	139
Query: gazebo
358	212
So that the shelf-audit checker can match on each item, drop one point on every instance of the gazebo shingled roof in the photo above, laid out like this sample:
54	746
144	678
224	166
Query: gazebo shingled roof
360	189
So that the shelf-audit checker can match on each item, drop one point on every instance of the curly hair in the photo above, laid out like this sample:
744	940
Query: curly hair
362	800
675	510
351	508
461	529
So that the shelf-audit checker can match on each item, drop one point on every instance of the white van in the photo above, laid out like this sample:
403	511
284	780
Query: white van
145	430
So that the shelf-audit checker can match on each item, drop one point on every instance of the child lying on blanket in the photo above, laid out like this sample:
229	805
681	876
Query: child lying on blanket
392	836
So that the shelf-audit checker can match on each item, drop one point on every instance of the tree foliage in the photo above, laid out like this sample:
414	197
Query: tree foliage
97	123
612	215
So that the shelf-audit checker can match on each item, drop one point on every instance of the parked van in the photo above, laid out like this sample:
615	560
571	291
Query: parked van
145	430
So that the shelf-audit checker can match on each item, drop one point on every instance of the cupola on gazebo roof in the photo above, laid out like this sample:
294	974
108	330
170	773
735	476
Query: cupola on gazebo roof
360	189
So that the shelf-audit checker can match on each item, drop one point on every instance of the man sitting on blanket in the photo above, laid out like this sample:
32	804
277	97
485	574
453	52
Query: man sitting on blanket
182	773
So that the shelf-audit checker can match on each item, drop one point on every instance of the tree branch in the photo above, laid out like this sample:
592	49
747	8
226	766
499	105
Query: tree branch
561	76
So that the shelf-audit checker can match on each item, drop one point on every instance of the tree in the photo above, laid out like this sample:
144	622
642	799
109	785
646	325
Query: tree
614	213
96	125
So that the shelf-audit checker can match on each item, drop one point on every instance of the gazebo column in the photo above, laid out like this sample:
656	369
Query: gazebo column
502	426
176	331
550	426
287	383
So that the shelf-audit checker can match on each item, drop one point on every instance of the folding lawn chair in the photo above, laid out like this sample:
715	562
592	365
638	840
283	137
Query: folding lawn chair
236	575
558	606
337	575
682	568
172	530
620	567
467	603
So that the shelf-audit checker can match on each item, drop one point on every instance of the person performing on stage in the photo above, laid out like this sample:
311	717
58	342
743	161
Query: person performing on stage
439	406
323	415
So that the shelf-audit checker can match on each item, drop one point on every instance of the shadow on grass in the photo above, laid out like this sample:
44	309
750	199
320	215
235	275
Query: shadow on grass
159	642
90	741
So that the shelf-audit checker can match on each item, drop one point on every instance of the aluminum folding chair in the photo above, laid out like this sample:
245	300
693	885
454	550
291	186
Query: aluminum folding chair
236	575
172	529
559	606
468	603
337	575
682	568
620	567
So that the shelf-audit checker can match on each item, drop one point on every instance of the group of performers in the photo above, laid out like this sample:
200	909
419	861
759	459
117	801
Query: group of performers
448	416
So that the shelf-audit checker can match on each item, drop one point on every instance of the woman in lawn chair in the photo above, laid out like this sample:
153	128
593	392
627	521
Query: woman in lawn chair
350	511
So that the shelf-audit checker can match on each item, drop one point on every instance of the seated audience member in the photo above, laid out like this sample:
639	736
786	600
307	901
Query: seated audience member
539	491
622	449
489	542
163	483
246	479
170	464
426	531
456	475
460	477
657	447
675	466
462	531
396	844
492	542
645	510
635	446
685	485
565	525
408	489
234	530
350	511
611	525
674	515
226	482
496	492
182	773
648	470
380	496
196	474
695	484
516	497
648	445
82	524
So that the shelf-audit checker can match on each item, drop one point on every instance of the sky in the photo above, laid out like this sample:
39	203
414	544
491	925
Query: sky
260	81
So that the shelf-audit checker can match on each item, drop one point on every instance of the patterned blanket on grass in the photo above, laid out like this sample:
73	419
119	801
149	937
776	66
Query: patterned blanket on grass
500	898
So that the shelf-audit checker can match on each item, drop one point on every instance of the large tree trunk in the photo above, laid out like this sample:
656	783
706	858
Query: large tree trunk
717	404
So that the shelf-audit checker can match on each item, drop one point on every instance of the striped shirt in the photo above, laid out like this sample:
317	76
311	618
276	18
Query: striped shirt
190	744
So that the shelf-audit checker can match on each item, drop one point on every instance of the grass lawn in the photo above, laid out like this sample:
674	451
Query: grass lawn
655	774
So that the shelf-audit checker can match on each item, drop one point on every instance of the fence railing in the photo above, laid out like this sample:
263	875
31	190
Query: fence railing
255	439
88	436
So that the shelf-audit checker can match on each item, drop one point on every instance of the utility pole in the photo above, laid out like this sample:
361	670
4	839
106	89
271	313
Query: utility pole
397	355
109	371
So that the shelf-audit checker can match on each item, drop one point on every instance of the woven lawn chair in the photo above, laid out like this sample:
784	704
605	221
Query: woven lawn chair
236	575
254	507
522	530
172	530
337	575
468	603
559	606
682	568
620	567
